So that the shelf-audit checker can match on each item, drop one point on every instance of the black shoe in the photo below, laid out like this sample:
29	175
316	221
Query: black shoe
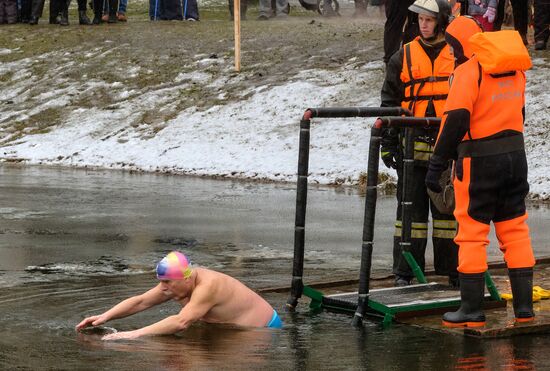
401	281
112	18
470	313
540	45
33	20
64	20
521	281
83	18
96	20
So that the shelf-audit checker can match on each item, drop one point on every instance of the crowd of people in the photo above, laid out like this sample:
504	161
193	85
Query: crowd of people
489	13
30	11
112	11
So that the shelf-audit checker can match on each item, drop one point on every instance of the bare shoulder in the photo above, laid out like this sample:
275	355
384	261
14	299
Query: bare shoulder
209	283
217	284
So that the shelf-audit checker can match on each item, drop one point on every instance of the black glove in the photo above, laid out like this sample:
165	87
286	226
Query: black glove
432	181
390	159
389	147
437	166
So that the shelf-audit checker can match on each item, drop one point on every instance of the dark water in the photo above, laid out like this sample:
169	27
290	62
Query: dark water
74	243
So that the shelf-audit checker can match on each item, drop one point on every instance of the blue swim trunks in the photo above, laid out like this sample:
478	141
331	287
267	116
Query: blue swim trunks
275	321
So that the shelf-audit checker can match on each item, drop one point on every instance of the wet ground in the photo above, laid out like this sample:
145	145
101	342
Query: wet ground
74	243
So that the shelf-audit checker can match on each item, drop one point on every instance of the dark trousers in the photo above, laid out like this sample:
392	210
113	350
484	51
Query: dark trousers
173	9
397	14
520	11
443	232
56	7
98	7
8	11
81	5
542	20
244	7
26	6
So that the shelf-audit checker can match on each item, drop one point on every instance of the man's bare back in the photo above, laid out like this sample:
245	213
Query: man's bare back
205	295
232	302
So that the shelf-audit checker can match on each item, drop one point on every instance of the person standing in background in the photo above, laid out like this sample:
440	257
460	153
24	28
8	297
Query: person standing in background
520	10
542	23
417	79
8	11
397	17
270	9
484	11
59	12
120	14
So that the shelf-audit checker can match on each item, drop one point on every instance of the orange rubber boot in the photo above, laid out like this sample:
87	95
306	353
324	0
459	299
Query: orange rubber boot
470	313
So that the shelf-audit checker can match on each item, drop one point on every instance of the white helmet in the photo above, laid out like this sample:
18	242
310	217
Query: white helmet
440	9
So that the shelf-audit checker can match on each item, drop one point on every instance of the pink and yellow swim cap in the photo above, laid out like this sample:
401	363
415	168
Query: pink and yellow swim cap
174	266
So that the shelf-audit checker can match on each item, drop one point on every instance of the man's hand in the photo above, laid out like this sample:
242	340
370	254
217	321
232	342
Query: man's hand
390	159
130	335
436	167
90	321
432	181
389	147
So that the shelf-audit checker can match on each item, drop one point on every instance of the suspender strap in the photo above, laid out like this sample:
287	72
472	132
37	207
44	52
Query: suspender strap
426	97
426	79
482	148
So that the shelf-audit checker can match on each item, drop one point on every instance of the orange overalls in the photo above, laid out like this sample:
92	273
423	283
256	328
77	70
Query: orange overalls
482	127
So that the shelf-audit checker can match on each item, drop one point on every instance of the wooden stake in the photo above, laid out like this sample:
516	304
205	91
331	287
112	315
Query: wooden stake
237	18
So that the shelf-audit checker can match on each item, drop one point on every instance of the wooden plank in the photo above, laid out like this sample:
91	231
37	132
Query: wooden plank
500	323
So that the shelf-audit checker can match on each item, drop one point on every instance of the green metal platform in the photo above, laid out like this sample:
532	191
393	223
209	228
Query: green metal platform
390	303
396	303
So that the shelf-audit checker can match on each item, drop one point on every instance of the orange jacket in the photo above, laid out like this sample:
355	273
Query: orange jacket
487	94
424	82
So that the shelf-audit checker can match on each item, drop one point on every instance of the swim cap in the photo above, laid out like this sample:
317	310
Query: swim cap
174	266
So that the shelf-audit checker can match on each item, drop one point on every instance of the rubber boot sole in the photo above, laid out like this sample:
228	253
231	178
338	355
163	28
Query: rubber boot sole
462	324
525	320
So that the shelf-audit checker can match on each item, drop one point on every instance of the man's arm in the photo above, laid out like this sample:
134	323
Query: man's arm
392	92
127	307
202	300
455	123
391	96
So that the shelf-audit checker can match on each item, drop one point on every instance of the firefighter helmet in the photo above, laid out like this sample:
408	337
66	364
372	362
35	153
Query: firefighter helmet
440	9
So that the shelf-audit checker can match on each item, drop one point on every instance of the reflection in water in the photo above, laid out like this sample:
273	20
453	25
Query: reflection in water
201	346
74	243
38	319
498	354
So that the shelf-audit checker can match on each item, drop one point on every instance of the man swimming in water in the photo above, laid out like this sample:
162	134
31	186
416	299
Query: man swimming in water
205	295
